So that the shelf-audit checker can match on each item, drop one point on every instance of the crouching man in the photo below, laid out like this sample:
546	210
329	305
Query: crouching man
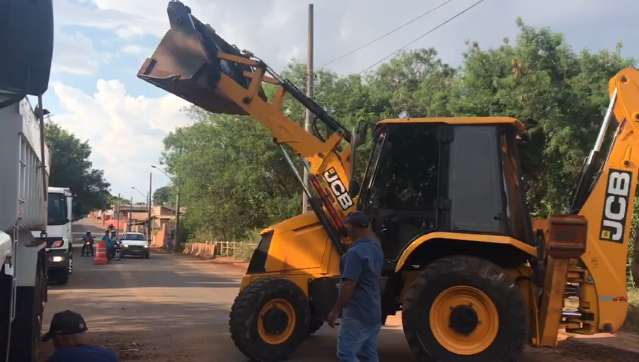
67	331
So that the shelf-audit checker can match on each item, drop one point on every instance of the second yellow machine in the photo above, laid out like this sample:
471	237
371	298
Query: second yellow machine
473	276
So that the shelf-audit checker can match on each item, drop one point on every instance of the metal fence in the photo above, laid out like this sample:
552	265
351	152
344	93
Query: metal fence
232	248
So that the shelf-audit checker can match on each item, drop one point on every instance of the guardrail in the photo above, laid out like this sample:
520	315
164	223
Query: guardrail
211	249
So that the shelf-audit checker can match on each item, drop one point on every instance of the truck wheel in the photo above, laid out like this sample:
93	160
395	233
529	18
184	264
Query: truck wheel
25	337
269	319
463	308
5	305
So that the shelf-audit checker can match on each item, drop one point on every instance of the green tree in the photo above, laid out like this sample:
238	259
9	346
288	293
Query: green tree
232	177
162	195
559	95
417	83
70	167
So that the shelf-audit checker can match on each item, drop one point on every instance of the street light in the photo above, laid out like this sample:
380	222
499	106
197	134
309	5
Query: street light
177	204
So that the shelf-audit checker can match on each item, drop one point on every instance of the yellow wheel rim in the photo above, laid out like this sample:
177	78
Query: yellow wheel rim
464	320
281	313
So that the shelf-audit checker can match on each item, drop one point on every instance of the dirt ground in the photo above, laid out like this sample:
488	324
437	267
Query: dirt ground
175	308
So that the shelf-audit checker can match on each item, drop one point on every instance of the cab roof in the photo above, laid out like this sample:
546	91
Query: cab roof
459	121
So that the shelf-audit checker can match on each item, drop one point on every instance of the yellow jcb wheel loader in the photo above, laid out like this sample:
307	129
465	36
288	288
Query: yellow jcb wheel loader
474	277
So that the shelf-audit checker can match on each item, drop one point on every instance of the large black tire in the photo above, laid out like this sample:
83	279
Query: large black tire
464	275
25	337
249	330
5	305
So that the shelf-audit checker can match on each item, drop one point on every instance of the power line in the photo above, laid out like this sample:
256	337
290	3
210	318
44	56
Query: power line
351	52
422	36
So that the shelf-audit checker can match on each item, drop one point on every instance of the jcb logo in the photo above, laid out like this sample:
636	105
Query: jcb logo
615	206
338	189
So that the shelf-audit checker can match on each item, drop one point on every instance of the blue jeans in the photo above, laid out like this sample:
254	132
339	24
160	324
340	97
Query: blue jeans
357	341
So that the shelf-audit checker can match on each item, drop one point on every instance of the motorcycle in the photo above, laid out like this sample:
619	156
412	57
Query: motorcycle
117	253
87	248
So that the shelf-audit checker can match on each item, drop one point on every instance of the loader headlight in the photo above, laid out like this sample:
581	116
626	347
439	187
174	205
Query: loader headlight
146	246
57	259
126	246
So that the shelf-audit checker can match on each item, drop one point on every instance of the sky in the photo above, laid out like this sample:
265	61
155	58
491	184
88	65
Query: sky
100	44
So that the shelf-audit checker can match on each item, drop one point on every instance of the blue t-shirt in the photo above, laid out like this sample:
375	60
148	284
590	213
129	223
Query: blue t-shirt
362	263
83	354
108	241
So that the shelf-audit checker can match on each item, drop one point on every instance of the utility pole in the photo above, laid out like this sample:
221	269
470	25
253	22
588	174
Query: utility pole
130	226
117	213
177	216
309	92
149	206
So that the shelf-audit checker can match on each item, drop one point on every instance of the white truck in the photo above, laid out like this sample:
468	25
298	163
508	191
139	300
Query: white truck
59	236
23	212
26	47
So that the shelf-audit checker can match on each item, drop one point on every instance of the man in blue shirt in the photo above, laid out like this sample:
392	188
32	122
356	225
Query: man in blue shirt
109	244
67	331
359	300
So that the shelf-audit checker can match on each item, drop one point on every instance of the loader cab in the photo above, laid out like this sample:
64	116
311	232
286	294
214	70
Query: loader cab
444	174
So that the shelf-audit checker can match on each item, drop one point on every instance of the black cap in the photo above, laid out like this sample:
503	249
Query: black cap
357	219
65	323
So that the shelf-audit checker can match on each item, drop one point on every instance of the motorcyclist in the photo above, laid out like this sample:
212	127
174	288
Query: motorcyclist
87	244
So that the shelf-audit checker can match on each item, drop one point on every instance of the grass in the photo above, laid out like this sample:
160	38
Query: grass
244	251
632	318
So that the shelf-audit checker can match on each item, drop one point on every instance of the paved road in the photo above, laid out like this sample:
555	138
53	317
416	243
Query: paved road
175	308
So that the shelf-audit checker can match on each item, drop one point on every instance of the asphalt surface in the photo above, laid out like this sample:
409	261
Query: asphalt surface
175	308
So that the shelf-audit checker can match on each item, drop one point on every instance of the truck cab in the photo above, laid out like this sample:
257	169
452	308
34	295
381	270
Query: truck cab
59	237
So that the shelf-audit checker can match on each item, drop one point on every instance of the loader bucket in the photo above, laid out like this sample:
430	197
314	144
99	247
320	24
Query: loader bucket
185	62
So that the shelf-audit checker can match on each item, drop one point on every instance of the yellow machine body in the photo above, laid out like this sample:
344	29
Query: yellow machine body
587	248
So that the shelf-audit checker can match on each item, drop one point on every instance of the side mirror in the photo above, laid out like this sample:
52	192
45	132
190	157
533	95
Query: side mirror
26	45
354	188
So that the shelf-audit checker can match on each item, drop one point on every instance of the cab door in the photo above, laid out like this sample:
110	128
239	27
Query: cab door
401	188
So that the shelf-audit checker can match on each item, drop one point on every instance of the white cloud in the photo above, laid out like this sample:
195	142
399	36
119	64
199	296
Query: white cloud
123	21
134	49
74	53
124	131
127	130
276	29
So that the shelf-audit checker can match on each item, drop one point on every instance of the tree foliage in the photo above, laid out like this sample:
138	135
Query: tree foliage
234	178
70	167
162	196
559	95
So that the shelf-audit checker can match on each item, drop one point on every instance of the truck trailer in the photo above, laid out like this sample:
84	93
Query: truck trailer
23	213
26	47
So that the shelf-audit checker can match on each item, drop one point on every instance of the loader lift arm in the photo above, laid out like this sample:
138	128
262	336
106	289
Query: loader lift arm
193	62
